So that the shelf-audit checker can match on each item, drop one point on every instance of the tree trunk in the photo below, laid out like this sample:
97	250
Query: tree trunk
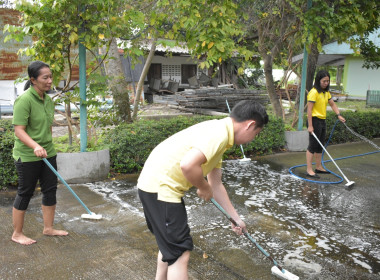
311	66
270	86
118	84
140	85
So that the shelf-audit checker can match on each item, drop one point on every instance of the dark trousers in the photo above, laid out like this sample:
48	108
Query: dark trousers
319	126
29	173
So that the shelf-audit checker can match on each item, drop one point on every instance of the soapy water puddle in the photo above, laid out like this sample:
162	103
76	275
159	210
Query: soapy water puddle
314	231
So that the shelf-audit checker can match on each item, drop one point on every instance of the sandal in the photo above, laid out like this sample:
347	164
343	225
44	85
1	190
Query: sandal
322	171
312	176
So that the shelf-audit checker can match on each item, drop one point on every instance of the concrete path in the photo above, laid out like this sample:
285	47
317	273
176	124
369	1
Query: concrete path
119	246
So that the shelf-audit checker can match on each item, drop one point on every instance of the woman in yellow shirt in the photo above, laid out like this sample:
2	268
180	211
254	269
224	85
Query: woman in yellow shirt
317	100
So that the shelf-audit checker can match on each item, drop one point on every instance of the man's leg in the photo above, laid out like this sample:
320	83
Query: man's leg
18	224
48	213
162	268
178	270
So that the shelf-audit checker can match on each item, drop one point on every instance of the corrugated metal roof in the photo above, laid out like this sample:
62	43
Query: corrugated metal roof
159	48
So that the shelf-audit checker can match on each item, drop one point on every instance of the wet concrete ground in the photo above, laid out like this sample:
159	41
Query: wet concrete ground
318	232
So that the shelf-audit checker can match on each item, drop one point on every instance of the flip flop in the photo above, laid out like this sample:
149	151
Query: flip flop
322	171
312	176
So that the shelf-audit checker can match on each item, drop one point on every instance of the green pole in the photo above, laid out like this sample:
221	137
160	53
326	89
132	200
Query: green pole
82	93
303	82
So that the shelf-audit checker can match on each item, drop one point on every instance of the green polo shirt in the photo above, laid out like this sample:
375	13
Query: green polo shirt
37	115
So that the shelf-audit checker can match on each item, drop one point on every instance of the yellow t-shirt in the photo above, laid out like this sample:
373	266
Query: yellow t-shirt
162	173
320	100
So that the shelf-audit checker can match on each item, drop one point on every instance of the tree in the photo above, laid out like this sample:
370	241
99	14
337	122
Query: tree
270	27
118	84
342	21
211	33
57	27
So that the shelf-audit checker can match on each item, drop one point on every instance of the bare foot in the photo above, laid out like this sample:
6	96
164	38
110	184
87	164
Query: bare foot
22	239
310	172
55	232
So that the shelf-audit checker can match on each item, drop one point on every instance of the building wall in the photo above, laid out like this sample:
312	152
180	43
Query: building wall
11	65
357	80
171	66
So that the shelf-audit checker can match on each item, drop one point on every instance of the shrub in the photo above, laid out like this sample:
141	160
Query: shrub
8	174
366	124
131	144
271	139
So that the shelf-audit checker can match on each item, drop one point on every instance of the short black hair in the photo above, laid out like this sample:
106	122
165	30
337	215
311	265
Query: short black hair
250	110
34	71
317	82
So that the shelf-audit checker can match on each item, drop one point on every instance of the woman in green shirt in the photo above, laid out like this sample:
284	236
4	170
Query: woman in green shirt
33	116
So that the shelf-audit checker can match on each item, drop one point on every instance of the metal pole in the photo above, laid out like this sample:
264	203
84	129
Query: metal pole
82	93
303	82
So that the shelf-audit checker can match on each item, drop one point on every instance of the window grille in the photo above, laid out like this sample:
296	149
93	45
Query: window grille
171	70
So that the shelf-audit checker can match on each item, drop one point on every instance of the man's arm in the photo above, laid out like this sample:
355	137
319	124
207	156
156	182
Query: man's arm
221	196
191	166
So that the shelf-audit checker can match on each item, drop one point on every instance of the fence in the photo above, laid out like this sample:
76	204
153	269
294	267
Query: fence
373	98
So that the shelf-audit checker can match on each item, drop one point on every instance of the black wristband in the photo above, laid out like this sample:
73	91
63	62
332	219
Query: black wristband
338	115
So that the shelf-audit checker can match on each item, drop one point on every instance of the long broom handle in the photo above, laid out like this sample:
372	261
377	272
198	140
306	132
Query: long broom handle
247	235
315	136
64	182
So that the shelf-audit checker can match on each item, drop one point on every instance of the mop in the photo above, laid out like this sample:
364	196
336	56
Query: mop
90	215
277	270
349	183
241	146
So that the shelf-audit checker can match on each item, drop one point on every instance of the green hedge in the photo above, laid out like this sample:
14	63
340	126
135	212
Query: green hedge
271	139
131	144
8	174
366	124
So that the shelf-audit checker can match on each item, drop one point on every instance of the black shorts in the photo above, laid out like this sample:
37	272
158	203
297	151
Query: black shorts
168	222
29	173
319	126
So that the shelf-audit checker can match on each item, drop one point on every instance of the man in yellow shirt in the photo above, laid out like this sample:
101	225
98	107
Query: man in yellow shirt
317	100
182	161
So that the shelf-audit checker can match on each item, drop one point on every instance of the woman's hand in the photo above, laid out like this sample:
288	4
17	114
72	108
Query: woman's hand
341	119
310	128
40	152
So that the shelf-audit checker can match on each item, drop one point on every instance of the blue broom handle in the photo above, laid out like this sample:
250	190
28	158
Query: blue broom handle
246	234
64	182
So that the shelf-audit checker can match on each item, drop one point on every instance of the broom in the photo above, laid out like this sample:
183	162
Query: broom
89	215
277	270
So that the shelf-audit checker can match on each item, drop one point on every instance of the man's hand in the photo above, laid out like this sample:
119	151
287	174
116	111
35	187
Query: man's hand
241	228
205	193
